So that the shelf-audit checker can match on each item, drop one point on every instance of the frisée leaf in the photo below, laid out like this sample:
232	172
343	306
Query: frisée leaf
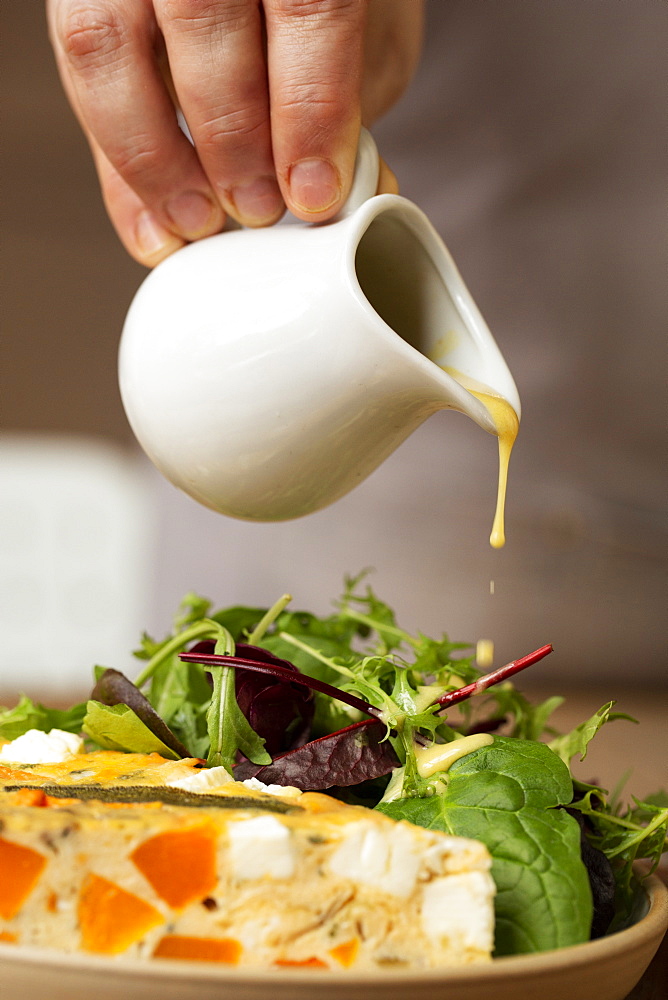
624	837
578	740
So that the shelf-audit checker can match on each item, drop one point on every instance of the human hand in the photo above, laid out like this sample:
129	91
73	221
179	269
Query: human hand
273	92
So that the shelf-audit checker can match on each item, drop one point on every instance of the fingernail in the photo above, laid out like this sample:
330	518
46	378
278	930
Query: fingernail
258	201
152	238
191	212
315	185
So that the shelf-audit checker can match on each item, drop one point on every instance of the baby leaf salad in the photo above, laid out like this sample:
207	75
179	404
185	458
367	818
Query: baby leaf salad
352	704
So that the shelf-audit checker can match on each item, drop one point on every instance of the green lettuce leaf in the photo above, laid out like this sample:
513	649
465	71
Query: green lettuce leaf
30	714
505	796
180	694
117	727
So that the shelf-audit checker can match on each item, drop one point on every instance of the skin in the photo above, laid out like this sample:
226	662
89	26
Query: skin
274	92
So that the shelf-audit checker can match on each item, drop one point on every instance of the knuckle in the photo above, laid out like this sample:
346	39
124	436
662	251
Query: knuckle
91	34
321	104
137	161
241	126
316	9
196	15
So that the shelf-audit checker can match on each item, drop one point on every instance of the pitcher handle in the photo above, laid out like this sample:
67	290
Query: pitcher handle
365	180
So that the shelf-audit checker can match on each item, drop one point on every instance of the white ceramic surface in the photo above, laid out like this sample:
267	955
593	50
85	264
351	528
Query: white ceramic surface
606	969
267	372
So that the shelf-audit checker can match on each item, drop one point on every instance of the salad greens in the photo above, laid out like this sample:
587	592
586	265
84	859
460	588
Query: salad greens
507	795
346	703
115	727
30	714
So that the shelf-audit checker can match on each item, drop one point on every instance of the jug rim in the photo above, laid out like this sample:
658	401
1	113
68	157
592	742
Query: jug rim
414	218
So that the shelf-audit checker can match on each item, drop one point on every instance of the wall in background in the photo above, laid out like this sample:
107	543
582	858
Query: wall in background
532	138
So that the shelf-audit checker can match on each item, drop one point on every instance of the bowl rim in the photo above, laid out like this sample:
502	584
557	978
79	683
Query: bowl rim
636	938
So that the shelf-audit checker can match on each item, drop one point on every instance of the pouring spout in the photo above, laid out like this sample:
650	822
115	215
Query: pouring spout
409	279
487	406
471	404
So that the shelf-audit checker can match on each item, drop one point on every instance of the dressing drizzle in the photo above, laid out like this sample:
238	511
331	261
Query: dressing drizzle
438	758
506	423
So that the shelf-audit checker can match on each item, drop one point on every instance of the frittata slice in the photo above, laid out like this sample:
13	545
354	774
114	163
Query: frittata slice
111	856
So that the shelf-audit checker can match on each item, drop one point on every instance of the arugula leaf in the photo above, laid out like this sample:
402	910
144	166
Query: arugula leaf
229	729
117	727
179	692
536	719
29	714
335	628
505	795
644	811
578	740
189	723
193	608
331	715
527	721
148	647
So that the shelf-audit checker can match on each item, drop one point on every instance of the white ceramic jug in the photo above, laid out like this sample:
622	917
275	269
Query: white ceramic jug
267	372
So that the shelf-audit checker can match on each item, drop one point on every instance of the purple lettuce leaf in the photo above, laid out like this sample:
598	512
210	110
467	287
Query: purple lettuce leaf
347	757
279	712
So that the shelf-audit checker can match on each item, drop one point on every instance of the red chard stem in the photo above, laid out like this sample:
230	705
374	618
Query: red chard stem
281	673
477	687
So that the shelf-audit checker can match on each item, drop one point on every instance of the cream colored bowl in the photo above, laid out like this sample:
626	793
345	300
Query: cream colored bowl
606	969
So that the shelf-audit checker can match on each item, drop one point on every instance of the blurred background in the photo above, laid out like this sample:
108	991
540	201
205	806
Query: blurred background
534	138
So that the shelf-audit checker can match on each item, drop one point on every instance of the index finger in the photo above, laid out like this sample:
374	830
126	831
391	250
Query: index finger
314	60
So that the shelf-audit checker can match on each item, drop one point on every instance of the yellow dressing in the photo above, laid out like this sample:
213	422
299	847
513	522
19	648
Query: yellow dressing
507	425
484	653
438	758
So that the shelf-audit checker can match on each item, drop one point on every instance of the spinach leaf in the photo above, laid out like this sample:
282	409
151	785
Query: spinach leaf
505	796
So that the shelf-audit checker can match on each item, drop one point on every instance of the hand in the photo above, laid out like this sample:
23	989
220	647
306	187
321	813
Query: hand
273	92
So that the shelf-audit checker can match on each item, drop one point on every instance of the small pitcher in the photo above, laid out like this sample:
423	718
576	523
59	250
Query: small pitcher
267	372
